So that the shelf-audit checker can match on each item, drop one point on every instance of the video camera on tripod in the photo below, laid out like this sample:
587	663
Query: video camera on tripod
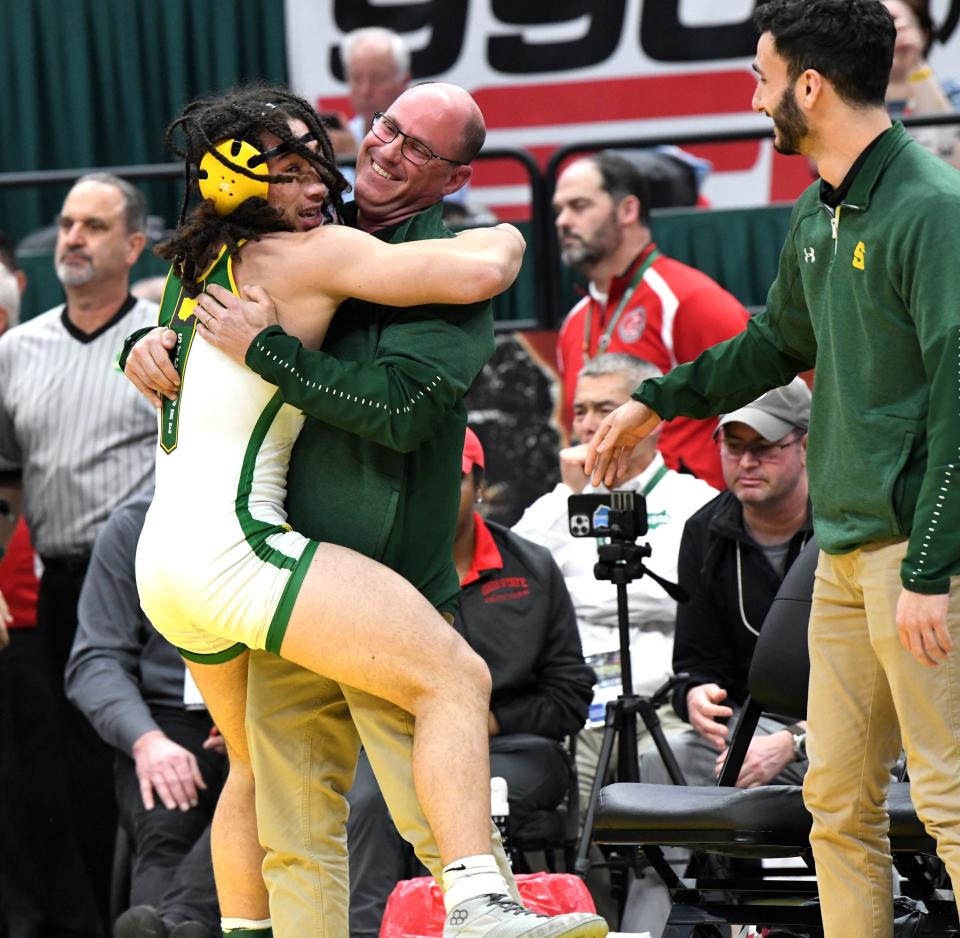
619	515
617	519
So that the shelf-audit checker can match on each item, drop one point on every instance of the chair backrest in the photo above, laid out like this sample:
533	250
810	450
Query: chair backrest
780	667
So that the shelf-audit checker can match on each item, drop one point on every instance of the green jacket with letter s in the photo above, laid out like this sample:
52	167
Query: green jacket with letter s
869	295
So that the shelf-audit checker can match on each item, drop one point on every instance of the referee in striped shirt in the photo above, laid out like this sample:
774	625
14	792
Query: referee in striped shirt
78	440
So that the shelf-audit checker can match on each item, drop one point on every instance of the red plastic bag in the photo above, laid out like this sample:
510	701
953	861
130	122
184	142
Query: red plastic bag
415	907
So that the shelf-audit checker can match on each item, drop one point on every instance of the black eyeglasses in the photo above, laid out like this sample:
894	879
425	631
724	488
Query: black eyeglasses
764	452
386	131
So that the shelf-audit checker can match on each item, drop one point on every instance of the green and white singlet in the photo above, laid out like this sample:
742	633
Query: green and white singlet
218	568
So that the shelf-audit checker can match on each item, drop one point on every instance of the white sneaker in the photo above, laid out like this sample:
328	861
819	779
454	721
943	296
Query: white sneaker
498	916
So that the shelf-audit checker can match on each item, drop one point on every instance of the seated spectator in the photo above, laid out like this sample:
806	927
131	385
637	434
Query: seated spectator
639	302
733	557
19	578
24	724
9	297
23	681
914	88
516	614
376	65
131	685
604	383
8	259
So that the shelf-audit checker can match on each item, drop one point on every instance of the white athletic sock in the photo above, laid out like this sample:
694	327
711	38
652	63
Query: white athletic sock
245	925
470	877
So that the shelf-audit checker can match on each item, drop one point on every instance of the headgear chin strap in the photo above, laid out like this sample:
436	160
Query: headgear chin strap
224	185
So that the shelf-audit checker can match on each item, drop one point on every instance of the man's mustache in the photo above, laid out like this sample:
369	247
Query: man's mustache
75	252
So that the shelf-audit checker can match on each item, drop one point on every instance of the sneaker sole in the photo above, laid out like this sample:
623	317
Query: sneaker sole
595	928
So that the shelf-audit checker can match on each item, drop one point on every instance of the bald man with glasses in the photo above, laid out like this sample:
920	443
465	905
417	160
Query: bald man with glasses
377	469
386	130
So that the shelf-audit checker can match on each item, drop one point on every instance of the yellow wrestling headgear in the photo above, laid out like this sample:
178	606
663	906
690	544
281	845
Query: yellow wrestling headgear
224	185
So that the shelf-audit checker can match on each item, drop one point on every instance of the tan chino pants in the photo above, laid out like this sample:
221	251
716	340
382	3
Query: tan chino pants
304	733
866	693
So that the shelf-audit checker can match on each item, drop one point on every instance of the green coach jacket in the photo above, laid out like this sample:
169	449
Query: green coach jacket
869	295
377	466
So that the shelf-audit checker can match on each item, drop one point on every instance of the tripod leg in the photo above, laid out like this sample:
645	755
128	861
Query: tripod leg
610	727
651	720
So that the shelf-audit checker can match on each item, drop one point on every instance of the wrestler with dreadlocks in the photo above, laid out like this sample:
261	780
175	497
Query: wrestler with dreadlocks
219	571
246	115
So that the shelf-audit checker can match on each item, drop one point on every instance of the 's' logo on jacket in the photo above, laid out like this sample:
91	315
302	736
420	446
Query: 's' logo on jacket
858	255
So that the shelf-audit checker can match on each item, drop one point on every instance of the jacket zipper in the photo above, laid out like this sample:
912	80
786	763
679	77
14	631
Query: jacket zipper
835	223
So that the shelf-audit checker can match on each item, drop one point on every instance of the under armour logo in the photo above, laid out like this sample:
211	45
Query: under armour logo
809	255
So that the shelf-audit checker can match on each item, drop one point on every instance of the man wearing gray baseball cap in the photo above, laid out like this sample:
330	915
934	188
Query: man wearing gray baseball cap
774	414
733	556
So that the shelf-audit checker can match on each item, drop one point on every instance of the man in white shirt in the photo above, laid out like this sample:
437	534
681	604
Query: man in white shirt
603	384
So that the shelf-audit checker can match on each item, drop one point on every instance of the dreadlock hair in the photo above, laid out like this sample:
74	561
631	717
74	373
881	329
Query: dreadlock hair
244	113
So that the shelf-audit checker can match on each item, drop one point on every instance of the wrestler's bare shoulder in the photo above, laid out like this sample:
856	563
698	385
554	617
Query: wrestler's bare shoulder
326	237
306	257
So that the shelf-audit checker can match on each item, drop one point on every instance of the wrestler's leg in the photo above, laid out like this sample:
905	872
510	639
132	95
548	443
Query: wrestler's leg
387	733
237	855
361	624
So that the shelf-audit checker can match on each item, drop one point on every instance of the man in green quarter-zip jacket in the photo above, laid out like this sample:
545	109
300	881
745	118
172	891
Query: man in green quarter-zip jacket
868	292
376	468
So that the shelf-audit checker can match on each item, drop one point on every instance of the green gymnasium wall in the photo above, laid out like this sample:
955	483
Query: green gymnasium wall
739	248
95	82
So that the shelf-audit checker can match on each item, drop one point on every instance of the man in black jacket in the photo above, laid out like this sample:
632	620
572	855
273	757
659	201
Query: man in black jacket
734	554
516	613
733	557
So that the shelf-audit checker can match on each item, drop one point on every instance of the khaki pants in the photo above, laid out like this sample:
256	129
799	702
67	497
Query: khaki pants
305	733
865	691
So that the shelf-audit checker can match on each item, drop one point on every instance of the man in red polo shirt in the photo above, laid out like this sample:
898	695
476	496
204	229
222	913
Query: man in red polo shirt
638	301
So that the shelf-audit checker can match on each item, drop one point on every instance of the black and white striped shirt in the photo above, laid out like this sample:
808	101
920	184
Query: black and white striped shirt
71	424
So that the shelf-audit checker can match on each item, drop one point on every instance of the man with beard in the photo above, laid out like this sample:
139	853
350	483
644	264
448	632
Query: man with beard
80	441
638	301
868	291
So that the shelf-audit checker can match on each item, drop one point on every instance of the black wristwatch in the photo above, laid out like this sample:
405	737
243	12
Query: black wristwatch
799	742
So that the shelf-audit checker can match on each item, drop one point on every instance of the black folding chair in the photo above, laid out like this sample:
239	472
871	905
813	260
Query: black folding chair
551	831
766	822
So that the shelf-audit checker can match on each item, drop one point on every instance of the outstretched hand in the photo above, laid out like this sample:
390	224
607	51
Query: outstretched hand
230	322
622	429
